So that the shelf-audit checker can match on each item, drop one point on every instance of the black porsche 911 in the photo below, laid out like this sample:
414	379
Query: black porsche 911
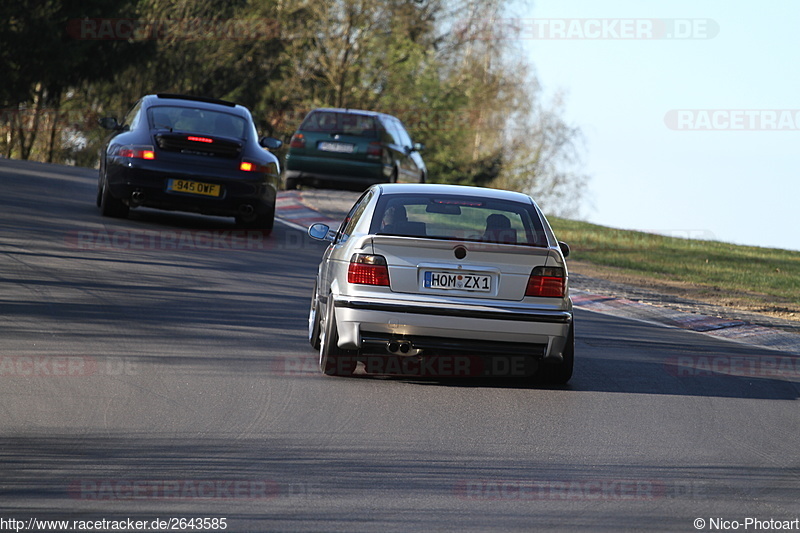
188	153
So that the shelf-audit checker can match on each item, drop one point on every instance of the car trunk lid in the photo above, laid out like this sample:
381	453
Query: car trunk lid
209	146
462	269
340	146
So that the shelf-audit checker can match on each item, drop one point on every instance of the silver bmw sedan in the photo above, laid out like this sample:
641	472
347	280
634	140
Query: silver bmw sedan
443	281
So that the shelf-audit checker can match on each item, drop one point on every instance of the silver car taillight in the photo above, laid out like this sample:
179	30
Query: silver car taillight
368	269
548	282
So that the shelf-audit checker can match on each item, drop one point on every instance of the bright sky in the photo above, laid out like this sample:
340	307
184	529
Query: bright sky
640	102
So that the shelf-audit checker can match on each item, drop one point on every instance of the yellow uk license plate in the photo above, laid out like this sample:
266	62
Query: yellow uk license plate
194	187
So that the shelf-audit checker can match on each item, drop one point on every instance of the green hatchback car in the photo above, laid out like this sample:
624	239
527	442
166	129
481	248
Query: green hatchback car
348	147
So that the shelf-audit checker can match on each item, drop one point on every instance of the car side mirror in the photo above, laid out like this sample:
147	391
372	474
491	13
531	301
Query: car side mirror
109	123
270	143
418	147
564	248
321	232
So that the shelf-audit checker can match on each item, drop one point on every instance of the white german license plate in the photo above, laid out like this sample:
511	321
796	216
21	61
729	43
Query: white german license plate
434	279
342	148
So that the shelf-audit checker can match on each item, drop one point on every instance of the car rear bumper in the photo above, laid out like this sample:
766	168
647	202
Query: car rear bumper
314	178
322	164
303	169
150	186
367	322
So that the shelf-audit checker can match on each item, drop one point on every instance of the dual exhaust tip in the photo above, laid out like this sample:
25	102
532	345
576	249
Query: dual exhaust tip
400	348
137	197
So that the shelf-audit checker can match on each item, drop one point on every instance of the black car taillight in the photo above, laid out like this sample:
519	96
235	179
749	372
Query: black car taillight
137	152
548	282
251	166
368	270
298	141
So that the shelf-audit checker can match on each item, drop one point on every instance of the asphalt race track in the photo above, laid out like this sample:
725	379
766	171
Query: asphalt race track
157	368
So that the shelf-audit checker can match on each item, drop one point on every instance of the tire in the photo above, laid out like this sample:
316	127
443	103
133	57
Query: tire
560	373
110	206
314	320
291	184
100	185
263	222
333	361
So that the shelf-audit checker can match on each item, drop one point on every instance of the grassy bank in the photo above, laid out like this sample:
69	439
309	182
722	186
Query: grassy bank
740	272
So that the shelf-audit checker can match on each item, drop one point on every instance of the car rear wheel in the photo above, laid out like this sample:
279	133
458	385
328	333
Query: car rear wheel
99	190
264	222
333	360
560	373
110	206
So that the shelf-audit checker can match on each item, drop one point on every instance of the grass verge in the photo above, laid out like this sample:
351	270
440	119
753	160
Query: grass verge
757	279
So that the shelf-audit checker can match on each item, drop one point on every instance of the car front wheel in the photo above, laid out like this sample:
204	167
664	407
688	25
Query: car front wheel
313	320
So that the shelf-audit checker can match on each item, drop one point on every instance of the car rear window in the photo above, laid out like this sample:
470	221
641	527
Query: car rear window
464	218
195	120
339	122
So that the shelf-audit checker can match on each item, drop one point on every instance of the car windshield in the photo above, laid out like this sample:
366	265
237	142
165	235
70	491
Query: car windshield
459	217
343	123
189	119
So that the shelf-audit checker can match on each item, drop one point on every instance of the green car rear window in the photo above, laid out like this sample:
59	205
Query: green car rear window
341	123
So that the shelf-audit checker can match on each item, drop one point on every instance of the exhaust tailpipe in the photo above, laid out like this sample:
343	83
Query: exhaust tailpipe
401	348
137	197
